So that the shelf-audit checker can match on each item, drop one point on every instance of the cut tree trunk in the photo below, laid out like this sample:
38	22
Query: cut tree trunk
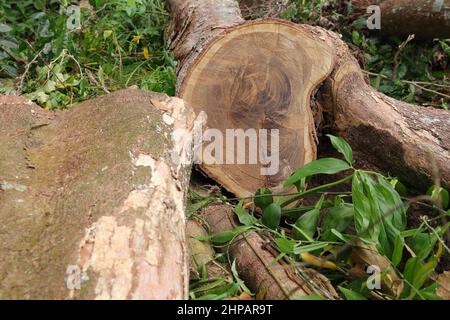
254	75
261	75
91	203
427	19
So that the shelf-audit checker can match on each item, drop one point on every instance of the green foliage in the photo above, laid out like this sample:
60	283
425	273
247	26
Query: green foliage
343	147
320	166
372	213
418	68
380	214
306	225
244	217
263	198
303	11
351	295
417	73
271	216
439	195
119	44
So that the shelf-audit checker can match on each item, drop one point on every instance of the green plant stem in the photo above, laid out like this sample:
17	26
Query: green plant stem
301	195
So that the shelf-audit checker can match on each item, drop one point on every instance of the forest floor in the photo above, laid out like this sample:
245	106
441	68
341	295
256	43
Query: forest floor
122	44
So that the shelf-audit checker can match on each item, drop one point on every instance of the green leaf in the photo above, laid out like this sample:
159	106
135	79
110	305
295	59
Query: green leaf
244	217
195	207
4	28
398	250
272	216
307	223
299	249
380	214
351	295
429	293
356	38
415	274
422	244
263	198
438	193
321	166
338	218
285	245
399	187
343	147
226	236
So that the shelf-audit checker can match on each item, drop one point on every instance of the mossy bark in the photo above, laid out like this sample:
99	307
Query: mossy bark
91	203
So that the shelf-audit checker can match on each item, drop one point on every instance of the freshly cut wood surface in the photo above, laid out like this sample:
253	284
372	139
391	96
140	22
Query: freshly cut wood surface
259	75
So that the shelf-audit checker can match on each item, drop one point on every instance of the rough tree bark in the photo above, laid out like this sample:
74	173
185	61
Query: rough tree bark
427	19
91	203
273	280
408	141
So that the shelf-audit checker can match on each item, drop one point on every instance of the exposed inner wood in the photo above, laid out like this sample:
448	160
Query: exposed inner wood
259	75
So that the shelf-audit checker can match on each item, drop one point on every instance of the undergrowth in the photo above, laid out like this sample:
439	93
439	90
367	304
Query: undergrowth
344	234
118	44
416	73
122	43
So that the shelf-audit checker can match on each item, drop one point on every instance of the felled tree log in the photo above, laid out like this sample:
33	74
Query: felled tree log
252	75
427	19
202	253
91	203
266	277
261	75
405	140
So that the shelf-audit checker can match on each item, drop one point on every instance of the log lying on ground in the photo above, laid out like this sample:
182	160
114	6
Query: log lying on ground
254	75
257	266
405	140
261	75
427	19
91	203
202	253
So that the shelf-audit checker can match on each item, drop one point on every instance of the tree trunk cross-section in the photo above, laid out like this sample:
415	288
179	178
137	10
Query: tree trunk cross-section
261	74
255	75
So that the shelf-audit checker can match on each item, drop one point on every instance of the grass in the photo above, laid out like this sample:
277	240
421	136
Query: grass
417	73
118	44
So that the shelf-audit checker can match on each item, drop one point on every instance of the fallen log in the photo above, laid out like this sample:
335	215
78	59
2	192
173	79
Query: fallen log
402	139
261	74
266	277
202	253
426	19
91	203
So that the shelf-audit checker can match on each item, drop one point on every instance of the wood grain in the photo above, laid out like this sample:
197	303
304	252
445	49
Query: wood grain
260	75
